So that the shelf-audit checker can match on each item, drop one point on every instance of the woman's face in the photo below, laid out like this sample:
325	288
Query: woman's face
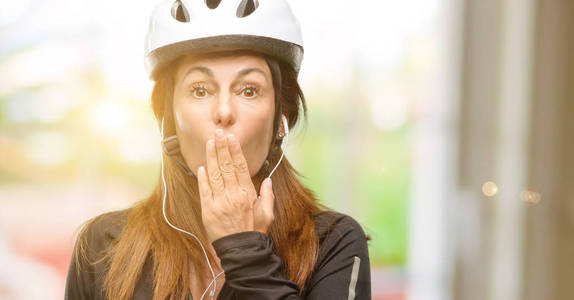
232	93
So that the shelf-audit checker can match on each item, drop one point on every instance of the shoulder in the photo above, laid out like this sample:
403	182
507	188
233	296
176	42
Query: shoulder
340	237
90	252
343	259
107	225
332	224
99	232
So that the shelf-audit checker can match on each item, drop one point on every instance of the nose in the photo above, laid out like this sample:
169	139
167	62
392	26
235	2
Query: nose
224	110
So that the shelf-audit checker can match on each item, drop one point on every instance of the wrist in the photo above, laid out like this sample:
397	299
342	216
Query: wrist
238	240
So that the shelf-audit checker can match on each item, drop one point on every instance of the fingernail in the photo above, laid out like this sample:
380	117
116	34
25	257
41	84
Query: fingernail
219	133
210	144
269	182
231	137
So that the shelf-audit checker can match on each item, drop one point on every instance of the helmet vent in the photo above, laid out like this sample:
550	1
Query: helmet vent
179	12
246	7
212	4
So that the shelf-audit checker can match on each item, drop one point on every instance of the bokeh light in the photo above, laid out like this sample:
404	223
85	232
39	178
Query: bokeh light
489	189
530	197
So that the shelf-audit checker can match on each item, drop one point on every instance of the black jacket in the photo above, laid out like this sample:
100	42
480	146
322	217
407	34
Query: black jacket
252	269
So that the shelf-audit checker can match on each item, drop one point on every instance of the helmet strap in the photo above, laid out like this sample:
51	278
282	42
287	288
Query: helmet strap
274	150
170	143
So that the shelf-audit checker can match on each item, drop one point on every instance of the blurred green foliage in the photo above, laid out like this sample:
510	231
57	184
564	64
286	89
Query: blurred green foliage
367	176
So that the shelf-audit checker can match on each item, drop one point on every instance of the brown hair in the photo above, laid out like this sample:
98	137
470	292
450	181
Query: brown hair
146	233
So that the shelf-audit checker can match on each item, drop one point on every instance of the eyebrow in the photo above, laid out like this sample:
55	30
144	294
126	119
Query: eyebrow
209	73
243	73
201	69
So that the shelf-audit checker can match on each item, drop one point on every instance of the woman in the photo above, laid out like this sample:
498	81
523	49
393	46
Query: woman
225	96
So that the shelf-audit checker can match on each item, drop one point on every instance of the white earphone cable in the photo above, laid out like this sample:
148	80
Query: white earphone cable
212	281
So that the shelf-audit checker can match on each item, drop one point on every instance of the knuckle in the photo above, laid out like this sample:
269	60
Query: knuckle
241	166
227	167
215	177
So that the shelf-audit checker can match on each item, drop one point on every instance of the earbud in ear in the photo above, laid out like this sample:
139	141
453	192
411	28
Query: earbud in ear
283	142
285	126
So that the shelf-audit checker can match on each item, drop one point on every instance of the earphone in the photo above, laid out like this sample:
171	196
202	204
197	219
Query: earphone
214	282
283	143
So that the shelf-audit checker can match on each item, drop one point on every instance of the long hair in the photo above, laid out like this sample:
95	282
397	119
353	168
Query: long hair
146	234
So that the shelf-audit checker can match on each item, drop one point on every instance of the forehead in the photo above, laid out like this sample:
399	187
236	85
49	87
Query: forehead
223	62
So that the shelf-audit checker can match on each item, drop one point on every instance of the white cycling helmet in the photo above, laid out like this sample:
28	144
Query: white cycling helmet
183	26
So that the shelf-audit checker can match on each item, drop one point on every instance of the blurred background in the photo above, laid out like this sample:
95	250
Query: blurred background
443	126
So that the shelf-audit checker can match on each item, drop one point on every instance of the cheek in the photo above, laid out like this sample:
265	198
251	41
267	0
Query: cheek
189	118
183	117
190	124
257	139
259	131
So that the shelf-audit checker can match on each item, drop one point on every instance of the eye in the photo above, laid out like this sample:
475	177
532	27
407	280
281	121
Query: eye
199	91
249	92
